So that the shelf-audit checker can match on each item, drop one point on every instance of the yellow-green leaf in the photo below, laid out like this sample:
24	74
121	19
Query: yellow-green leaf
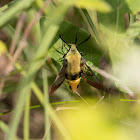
3	48
134	5
99	5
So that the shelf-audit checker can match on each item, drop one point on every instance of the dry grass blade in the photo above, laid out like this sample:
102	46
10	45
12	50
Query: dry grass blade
56	110
83	99
19	27
22	43
2	82
113	78
98	101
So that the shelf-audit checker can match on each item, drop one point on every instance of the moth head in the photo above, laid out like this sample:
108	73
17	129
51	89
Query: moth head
74	45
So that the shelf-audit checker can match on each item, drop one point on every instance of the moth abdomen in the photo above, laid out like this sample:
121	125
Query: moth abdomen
73	76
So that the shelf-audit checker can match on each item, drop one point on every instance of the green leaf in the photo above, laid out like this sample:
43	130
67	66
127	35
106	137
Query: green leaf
134	5
68	31
134	29
14	10
114	19
26	83
98	5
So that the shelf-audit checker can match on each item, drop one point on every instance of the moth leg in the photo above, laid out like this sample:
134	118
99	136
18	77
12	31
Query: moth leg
58	51
87	70
82	54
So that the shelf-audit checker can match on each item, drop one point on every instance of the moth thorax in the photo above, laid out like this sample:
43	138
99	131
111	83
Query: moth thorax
74	84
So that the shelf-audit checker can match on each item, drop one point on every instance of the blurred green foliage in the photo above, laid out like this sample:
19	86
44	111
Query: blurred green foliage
115	30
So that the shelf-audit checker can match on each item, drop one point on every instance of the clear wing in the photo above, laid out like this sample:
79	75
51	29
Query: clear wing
60	78
86	70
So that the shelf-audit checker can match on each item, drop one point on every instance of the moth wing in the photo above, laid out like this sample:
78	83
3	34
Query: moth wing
60	78
86	70
95	84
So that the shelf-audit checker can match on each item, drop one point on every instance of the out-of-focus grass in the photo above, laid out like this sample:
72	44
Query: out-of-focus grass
108	119
99	122
26	118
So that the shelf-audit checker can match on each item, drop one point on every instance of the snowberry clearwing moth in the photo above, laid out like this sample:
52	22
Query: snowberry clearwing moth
74	68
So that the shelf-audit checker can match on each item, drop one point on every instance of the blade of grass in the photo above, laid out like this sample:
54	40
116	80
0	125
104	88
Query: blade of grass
50	110
26	117
39	3
35	32
25	85
52	114
3	8
5	128
82	18
22	43
91	25
13	10
46	101
39	106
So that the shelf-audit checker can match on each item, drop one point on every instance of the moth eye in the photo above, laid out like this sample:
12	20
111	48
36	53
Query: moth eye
81	53
77	86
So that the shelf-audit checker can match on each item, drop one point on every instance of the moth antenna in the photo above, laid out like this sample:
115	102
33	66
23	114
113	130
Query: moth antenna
84	40
66	47
83	99
64	41
76	36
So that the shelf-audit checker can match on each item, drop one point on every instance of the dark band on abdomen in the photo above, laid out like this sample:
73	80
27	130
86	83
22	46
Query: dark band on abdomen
73	76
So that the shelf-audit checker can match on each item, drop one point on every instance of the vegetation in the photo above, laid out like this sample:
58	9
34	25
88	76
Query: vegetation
30	59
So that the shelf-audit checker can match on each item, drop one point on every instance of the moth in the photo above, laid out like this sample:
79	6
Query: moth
74	68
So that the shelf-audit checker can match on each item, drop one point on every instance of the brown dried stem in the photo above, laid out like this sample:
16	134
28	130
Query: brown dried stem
22	43
19	27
